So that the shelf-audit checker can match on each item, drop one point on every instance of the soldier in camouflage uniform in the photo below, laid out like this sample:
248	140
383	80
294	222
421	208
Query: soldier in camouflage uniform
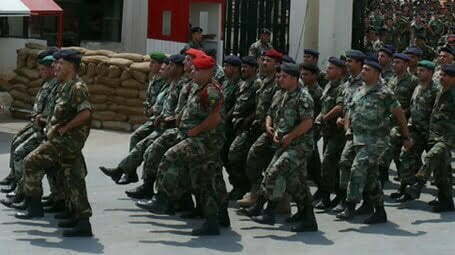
428	52
258	48
354	63
333	135
311	57
440	142
369	107
402	85
68	130
446	57
415	54
422	102
196	39
290	123
385	57
435	30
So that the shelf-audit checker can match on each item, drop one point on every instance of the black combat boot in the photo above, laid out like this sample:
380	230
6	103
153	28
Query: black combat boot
83	228
69	223
414	190
209	228
366	208
114	173
404	198
128	178
445	203
11	194
340	206
8	202
58	206
185	204
47	203
161	204
268	215
20	206
197	212
223	216
34	209
9	188
349	211
379	216
142	192
324	203
65	215
307	222
297	216
256	209
7	180
400	192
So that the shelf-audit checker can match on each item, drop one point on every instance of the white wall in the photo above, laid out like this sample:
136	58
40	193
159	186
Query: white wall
297	27
167	47
8	47
134	26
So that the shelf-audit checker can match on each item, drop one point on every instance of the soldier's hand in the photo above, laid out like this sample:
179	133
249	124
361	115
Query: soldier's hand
340	122
408	144
287	139
62	129
191	133
276	139
270	131
318	120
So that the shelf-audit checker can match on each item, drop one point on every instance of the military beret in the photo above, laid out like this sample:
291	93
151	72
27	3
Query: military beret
448	50
194	52
414	51
312	52
356	54
373	64
196	30
291	69
427	64
48	52
310	67
56	55
210	52
449	69
47	61
203	62
266	31
233	60
402	56
177	59
250	60
337	62
288	59
158	56
387	50
274	54
71	56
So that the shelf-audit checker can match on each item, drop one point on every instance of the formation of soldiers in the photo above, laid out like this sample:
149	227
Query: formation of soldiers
260	118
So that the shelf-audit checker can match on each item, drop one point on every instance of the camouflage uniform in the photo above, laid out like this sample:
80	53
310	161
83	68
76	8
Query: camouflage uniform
284	174
422	102
62	152
387	74
333	136
257	48
369	107
219	74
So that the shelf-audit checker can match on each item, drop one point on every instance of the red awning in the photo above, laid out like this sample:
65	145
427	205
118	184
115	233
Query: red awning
43	7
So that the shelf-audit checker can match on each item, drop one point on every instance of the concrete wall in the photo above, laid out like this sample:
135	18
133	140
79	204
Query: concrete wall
297	26
134	26
8	47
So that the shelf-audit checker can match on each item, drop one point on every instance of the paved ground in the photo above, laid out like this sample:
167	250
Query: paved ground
121	228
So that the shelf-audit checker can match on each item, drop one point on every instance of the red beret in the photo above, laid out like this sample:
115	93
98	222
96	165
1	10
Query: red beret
194	53
274	54
202	62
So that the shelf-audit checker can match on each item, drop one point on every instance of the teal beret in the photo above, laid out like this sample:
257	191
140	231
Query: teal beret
427	64
158	56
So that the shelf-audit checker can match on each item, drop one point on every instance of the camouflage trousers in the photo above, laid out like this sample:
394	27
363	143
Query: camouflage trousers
364	175
17	140
285	175
347	157
237	157
193	166
391	152
437	162
258	159
155	152
411	161
134	159
141	132
314	164
330	171
70	163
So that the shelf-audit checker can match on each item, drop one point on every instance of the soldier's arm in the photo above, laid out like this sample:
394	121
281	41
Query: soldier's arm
81	119
334	113
399	115
211	122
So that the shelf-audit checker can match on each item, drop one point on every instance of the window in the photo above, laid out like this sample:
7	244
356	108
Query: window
167	16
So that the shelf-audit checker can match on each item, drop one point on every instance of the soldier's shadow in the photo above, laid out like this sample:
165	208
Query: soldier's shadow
311	238
388	229
227	241
80	245
443	217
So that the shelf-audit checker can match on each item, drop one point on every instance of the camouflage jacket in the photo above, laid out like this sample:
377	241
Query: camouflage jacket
245	100
422	102
153	89
188	84
219	74
230	90
349	88
403	88
264	98
369	110
387	74
42	99
170	103
442	122
315	92
257	48
157	107
332	95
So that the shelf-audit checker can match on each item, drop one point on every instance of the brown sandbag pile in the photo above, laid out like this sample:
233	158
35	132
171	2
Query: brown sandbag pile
116	83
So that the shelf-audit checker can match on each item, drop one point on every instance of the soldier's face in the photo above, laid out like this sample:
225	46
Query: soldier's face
451	41
64	69
414	60
424	74
399	66
445	58
45	72
353	65
202	75
154	66
248	71
333	72
447	81
268	64
163	71
369	74
197	36
286	81
187	64
383	58
309	59
308	77
229	70
265	38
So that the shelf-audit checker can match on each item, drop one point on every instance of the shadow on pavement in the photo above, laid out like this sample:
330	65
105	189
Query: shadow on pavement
312	238
86	245
388	229
444	217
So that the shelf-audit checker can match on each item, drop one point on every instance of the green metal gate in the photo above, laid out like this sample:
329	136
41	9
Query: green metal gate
245	19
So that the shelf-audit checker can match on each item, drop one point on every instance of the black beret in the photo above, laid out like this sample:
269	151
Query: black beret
373	64
312	52
266	31
72	56
233	60
402	56
356	54
48	52
196	30
414	51
210	52
177	59
449	69
250	60
291	69
390	51
288	59
448	50
338	62
310	67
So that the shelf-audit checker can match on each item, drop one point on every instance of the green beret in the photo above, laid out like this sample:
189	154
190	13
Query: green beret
46	61
427	64
158	56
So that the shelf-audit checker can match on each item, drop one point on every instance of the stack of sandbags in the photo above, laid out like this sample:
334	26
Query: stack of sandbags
116	82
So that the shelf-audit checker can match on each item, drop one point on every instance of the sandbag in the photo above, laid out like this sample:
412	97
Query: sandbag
112	107
108	81
121	62
38	46
79	49
98	99
21	96
35	83
21	104
31	62
129	110
82	69
20	115
31	74
134	120
7	76
91	69
87	79
139	76
114	72
97	124
109	116
21	87
106	53
142	95
99	89
94	59
5	86
100	107
116	100
135	102
143	67
117	125
20	79
132	83
125	75
29	52
130	56
33	91
102	69
127	93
